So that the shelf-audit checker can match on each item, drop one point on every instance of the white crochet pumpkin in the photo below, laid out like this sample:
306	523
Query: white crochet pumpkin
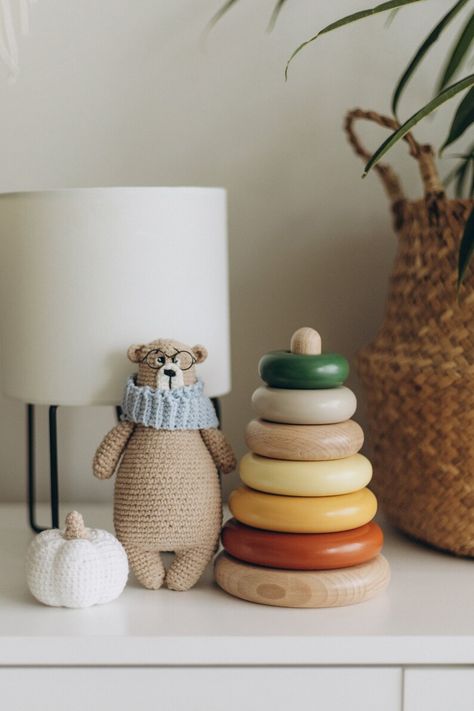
77	566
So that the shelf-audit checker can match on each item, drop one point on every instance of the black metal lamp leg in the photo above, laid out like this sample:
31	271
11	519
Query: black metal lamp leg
31	469
53	458
217	408
53	465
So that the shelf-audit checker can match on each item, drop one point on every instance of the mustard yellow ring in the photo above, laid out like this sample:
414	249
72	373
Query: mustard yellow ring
290	478
302	514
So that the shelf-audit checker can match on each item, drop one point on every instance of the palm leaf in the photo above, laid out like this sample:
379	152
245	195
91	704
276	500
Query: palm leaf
347	20
454	174
467	247
444	96
458	54
392	15
463	118
220	13
461	178
470	192
275	13
423	49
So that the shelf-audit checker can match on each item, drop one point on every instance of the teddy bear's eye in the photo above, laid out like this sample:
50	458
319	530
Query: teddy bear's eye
183	359
160	360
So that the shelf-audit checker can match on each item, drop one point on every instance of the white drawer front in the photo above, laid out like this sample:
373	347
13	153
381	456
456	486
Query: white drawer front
200	689
439	690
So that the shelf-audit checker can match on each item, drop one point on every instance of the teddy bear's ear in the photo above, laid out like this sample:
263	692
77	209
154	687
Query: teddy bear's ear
134	353
200	353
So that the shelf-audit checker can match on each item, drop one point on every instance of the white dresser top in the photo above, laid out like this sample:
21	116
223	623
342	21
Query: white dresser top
425	617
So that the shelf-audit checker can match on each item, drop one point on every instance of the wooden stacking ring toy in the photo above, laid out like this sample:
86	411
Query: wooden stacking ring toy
302	551
330	478
284	369
304	442
304	407
301	588
302	514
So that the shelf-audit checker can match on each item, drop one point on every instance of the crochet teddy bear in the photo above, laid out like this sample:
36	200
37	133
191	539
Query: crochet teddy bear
167	451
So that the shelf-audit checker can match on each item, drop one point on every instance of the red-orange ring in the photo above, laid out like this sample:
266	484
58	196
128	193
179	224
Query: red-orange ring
302	551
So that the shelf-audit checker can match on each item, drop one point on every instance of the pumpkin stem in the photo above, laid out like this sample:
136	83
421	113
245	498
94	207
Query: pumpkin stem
74	526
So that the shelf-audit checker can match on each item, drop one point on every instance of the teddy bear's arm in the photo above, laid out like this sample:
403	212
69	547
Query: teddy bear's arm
219	449
110	450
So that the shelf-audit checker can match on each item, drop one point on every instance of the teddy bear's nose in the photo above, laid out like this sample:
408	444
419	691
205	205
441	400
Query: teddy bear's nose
169	373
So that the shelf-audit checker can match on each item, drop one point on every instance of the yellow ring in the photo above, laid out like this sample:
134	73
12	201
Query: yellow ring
301	514
329	478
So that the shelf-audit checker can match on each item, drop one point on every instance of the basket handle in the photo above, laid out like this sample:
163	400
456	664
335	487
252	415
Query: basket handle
422	153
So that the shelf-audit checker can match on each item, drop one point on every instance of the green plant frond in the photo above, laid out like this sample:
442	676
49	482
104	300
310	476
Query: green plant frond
423	49
456	174
460	50
391	16
349	19
274	15
463	118
461	177
469	154
466	249
446	95
453	173
220	13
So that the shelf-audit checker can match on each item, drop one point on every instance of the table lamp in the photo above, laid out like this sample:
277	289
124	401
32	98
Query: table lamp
86	272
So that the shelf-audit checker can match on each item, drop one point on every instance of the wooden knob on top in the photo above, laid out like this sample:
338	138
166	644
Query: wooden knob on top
306	341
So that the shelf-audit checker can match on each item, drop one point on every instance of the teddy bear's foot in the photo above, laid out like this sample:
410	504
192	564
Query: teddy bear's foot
147	567
187	567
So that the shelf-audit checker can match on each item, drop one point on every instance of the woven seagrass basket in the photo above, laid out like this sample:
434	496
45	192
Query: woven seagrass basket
418	373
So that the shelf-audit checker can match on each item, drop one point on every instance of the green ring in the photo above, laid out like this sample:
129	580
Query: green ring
283	369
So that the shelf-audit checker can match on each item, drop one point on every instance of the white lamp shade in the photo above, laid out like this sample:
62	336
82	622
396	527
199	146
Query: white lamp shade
85	273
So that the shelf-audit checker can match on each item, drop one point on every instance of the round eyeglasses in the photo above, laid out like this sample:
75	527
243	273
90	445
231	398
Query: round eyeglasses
157	358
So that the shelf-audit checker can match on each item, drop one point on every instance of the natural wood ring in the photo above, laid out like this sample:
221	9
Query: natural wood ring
302	551
290	588
304	407
283	369
330	478
304	442
302	514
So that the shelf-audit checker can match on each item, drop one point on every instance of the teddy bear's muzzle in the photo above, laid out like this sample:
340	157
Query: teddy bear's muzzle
170	377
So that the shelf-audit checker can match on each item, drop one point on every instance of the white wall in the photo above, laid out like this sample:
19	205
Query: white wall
115	92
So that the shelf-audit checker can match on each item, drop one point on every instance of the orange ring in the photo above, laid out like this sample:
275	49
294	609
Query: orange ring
302	551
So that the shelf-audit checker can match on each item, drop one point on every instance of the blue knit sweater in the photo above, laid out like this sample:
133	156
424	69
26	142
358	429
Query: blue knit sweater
185	408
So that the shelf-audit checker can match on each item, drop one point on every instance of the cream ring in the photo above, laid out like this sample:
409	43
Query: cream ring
302	514
330	478
304	407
